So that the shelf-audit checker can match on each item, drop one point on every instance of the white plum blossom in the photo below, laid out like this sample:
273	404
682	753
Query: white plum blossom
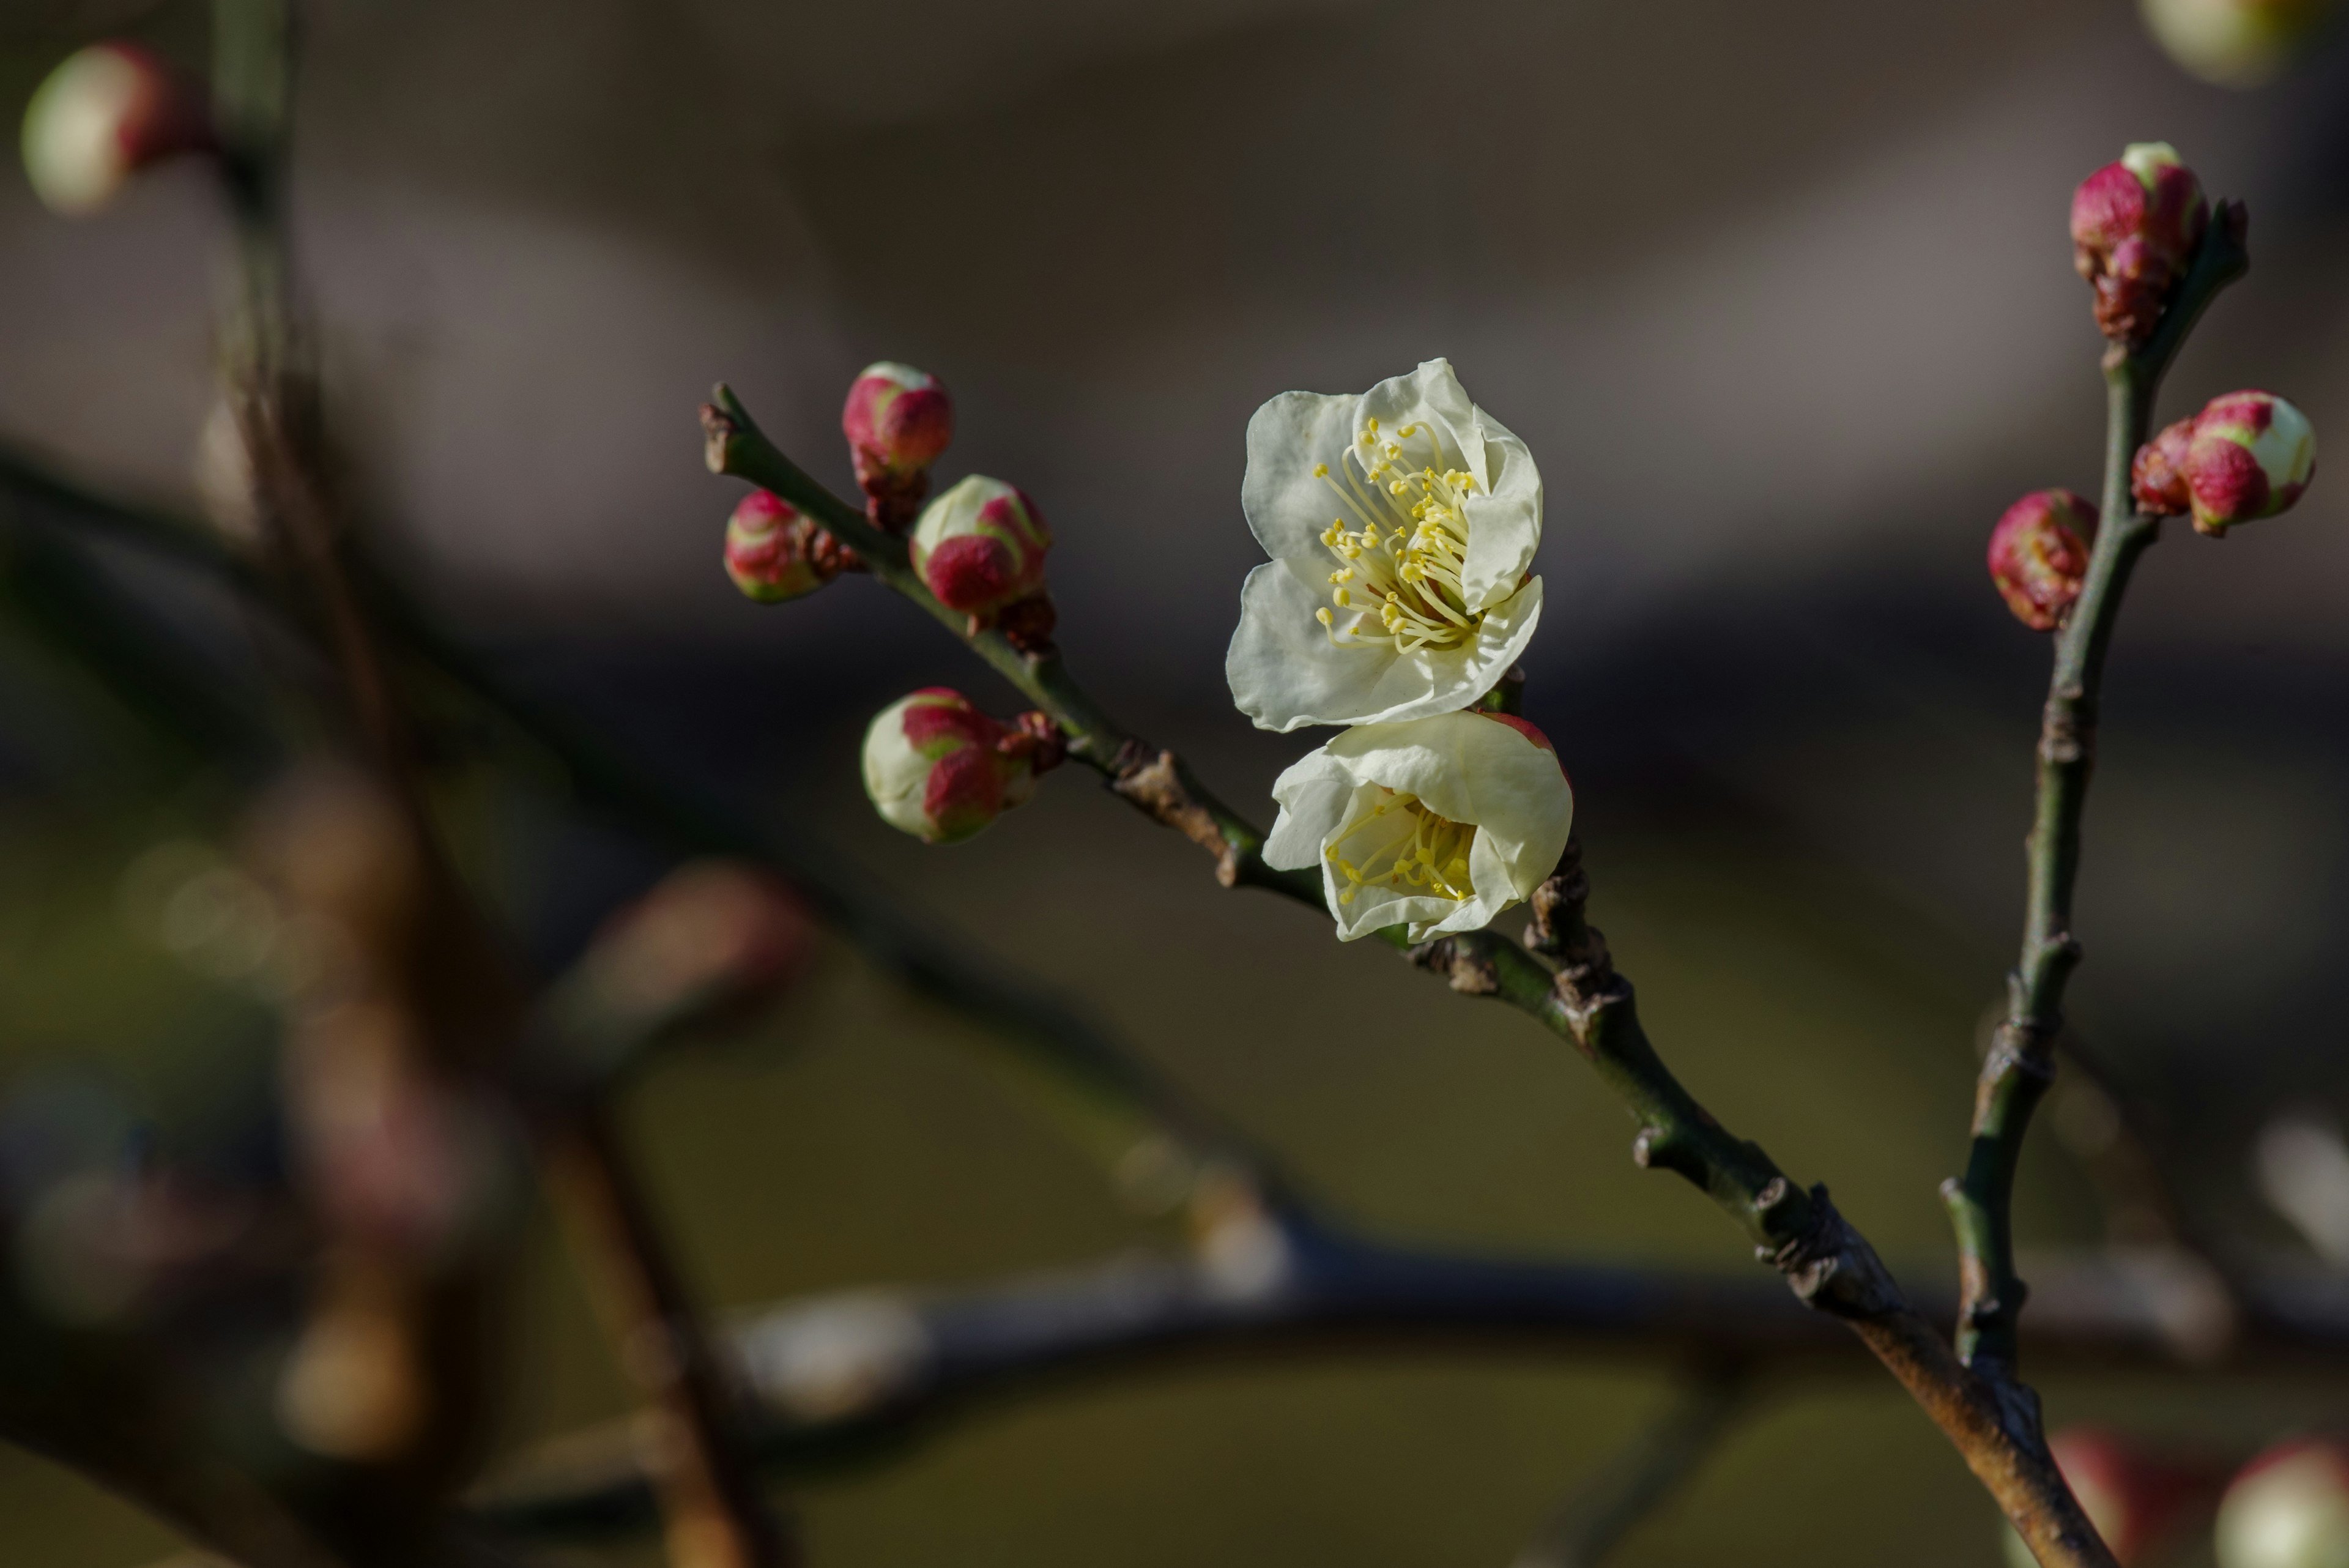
1439	824
1402	524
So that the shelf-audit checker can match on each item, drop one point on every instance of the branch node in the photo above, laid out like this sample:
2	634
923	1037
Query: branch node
1464	961
1828	1265
1155	784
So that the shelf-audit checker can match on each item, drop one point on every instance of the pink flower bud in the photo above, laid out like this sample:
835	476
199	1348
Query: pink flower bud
897	420
2245	456
980	548
2135	227
109	112
2289	1508
774	554
936	767
2039	556
2139	1500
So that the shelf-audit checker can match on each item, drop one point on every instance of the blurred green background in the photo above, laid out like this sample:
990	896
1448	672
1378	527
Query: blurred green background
1781	298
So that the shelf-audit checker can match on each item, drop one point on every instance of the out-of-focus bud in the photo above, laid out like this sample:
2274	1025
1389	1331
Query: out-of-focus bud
2139	1500
2039	556
980	548
936	767
109	112
897	420
2135	227
709	944
2302	1164
774	553
2245	456
2289	1508
2235	43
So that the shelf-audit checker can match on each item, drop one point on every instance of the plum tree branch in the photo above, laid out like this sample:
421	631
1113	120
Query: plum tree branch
858	1375
1826	1262
2021	1063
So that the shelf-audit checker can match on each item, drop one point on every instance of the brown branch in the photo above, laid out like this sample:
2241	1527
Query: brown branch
715	1516
1824	1260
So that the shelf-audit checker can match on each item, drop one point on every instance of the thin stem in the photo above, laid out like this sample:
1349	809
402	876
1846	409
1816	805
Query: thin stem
2021	1063
1589	1525
1826	1262
716	1515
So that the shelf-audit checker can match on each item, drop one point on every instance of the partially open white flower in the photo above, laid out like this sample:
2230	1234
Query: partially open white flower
1439	823
1401	524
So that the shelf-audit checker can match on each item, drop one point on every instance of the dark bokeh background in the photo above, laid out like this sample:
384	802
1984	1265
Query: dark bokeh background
1781	298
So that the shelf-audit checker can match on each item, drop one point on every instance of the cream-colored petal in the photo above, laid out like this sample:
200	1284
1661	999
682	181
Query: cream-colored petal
1471	767
1313	795
1284	672
1287	505
1430	392
1488	876
1503	527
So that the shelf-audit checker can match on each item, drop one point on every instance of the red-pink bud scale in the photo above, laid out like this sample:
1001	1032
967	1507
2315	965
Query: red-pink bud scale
2039	556
2135	225
774	553
980	548
897	420
2245	456
936	767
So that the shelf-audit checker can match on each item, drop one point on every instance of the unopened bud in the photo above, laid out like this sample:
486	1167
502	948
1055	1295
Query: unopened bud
936	767
2139	1499
897	420
2135	227
109	112
709	946
980	548
2235	43
2289	1508
2245	456
774	553
2039	556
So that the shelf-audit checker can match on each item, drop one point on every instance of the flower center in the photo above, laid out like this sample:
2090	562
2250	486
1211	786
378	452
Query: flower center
1399	587
1398	843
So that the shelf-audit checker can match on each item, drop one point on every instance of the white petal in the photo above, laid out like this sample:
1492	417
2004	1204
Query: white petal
1284	672
1286	506
1489	878
1503	527
1471	767
1313	793
1431	392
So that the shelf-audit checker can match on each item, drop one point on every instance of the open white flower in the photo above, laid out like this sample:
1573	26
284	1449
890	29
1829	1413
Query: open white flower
1401	525
1438	823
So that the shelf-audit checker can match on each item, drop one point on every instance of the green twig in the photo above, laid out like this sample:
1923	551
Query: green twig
2021	1063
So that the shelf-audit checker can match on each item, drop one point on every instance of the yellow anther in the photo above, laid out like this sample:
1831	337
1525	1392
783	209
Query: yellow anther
1324	616
1320	471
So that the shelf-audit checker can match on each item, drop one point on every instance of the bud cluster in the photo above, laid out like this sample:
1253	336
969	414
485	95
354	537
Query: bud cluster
107	112
936	767
2247	455
2136	225
2039	556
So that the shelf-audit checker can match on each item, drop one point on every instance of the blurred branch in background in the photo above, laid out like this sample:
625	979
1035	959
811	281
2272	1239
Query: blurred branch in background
1633	1484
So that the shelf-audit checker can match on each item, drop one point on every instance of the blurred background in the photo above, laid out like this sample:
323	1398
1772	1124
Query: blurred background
1780	296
